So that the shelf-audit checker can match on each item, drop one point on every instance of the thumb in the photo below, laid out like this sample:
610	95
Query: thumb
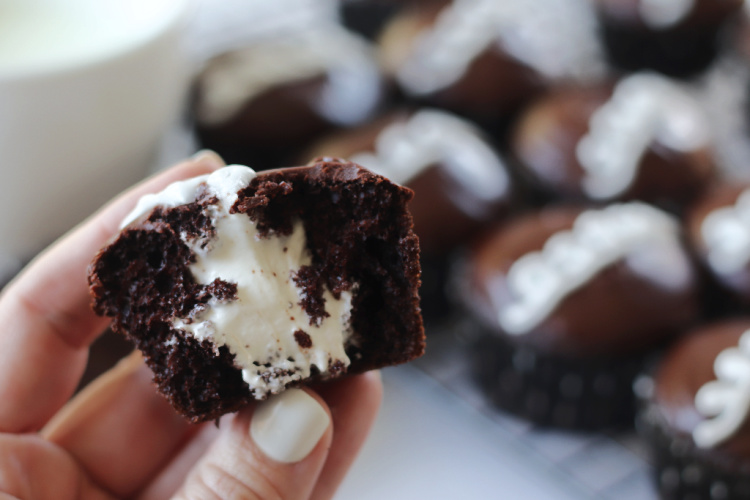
274	451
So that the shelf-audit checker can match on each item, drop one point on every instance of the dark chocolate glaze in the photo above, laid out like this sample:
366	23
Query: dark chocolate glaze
617	312
446	211
547	134
684	369
680	50
358	231
719	196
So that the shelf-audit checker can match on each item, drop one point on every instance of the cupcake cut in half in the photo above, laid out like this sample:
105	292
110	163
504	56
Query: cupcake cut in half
236	286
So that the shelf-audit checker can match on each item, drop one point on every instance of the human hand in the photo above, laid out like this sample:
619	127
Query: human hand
119	438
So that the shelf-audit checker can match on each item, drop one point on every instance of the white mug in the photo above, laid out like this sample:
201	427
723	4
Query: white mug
87	87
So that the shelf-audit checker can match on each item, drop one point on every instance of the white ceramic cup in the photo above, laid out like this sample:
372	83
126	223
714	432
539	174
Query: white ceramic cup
87	88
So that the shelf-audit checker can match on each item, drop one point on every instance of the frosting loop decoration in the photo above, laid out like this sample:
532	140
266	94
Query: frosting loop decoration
644	108
404	149
539	281
350	93
726	233
725	401
555	37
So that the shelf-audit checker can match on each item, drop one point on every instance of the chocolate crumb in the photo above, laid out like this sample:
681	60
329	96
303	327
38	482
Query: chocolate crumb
303	339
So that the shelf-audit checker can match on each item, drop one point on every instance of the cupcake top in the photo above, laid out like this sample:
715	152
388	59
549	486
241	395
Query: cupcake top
702	387
459	181
474	52
327	72
645	138
344	60
719	230
614	280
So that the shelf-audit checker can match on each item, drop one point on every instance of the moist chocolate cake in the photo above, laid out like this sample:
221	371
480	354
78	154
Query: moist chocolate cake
236	285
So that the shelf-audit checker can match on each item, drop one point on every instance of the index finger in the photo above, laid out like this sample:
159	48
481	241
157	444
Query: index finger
46	321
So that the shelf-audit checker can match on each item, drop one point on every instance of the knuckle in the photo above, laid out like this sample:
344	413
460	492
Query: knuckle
214	482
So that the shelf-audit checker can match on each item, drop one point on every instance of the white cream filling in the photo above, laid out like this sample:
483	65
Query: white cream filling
538	281
558	38
404	149
644	108
349	95
726	234
259	325
725	401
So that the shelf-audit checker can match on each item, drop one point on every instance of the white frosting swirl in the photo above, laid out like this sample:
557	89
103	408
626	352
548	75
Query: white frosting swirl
404	149
725	401
726	234
663	14
643	235
557	38
725	96
350	94
259	325
644	108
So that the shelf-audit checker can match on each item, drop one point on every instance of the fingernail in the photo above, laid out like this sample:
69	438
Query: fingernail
288	426
210	158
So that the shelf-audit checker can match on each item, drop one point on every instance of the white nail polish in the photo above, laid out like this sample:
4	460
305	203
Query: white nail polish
288	426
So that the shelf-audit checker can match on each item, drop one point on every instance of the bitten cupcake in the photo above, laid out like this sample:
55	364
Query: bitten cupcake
675	37
719	231
260	104
484	58
644	138
571	299
460	183
695	413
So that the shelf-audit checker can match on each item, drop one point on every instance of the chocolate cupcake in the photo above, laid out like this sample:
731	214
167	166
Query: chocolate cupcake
719	230
260	104
484	58
571	300
694	415
676	37
644	138
236	286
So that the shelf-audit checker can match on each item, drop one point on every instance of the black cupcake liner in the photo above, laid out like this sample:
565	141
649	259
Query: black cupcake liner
682	471
585	394
679	53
